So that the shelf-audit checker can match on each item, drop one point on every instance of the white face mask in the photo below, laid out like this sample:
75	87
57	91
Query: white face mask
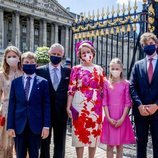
115	73
12	61
87	58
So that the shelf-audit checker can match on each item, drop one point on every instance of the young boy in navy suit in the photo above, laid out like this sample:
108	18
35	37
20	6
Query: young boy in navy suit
144	93
29	109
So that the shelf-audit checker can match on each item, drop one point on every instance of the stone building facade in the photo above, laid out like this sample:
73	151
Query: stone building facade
29	24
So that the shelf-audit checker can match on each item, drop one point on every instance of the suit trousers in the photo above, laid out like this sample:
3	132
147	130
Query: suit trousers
27	141
59	137
143	125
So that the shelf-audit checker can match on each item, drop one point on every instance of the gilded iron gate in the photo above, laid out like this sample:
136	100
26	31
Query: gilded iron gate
114	33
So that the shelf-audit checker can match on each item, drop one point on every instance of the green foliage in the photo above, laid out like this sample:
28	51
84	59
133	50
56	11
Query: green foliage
42	54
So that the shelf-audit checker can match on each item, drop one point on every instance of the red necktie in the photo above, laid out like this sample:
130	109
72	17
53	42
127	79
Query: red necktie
150	70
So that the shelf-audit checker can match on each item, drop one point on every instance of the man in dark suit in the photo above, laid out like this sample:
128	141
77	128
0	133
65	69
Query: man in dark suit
58	78
144	92
29	109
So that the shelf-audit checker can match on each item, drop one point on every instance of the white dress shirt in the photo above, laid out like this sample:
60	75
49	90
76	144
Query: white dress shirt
51	72
31	82
31	85
154	61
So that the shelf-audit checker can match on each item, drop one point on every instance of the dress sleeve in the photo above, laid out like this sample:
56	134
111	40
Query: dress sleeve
102	77
73	82
1	80
128	101
105	94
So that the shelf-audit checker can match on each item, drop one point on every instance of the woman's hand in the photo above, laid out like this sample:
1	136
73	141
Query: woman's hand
119	122
112	121
69	113
11	132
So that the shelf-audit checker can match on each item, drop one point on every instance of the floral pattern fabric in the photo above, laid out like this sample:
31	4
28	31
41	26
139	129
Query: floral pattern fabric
86	83
6	142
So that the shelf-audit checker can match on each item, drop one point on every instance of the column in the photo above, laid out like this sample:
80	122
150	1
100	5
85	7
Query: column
44	33
56	33
28	35
5	32
41	34
31	33
63	36
67	41
17	30
52	34
1	28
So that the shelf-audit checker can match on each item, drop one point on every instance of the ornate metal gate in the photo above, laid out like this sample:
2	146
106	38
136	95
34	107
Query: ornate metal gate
114	33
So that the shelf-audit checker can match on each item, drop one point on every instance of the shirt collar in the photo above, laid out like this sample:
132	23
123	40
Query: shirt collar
155	57
32	76
51	67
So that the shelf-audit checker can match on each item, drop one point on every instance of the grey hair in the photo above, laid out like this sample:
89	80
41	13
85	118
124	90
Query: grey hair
58	46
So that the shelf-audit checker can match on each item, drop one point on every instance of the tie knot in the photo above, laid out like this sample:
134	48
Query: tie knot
150	59
55	69
28	78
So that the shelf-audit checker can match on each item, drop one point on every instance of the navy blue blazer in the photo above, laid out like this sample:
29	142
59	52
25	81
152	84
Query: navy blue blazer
143	92
35	111
58	98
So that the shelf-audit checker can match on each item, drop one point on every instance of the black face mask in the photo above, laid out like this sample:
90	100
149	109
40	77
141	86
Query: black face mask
149	49
55	60
29	69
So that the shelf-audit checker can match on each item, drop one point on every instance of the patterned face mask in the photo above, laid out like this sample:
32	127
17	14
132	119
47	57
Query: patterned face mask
88	57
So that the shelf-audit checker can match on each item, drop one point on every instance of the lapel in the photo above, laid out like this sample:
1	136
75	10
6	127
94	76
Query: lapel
47	74
144	68
34	86
155	72
62	77
21	87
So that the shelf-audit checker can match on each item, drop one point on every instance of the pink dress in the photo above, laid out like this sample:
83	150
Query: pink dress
86	84
116	96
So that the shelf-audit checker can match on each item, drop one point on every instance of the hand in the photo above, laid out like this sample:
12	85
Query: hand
45	133
143	111
11	132
112	121
119	122
151	108
69	113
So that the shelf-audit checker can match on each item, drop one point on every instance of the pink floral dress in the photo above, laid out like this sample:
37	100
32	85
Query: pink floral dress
86	83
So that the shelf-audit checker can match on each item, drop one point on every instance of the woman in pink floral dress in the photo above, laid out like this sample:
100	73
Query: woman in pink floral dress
85	101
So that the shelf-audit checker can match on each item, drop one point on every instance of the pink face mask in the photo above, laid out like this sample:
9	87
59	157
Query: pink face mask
88	57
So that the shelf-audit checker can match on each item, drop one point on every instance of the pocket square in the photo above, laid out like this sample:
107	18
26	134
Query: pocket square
66	78
74	112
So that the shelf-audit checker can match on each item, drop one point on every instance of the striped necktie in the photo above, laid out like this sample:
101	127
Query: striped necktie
27	87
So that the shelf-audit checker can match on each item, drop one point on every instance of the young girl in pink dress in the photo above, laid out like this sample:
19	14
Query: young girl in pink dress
117	128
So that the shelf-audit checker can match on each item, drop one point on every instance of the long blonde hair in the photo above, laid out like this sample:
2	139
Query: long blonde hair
5	67
115	61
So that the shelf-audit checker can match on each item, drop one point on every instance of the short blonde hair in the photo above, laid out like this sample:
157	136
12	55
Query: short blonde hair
147	36
28	55
5	67
88	46
56	46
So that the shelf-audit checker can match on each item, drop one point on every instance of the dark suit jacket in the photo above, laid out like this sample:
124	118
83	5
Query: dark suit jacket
35	111
58	98
141	91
